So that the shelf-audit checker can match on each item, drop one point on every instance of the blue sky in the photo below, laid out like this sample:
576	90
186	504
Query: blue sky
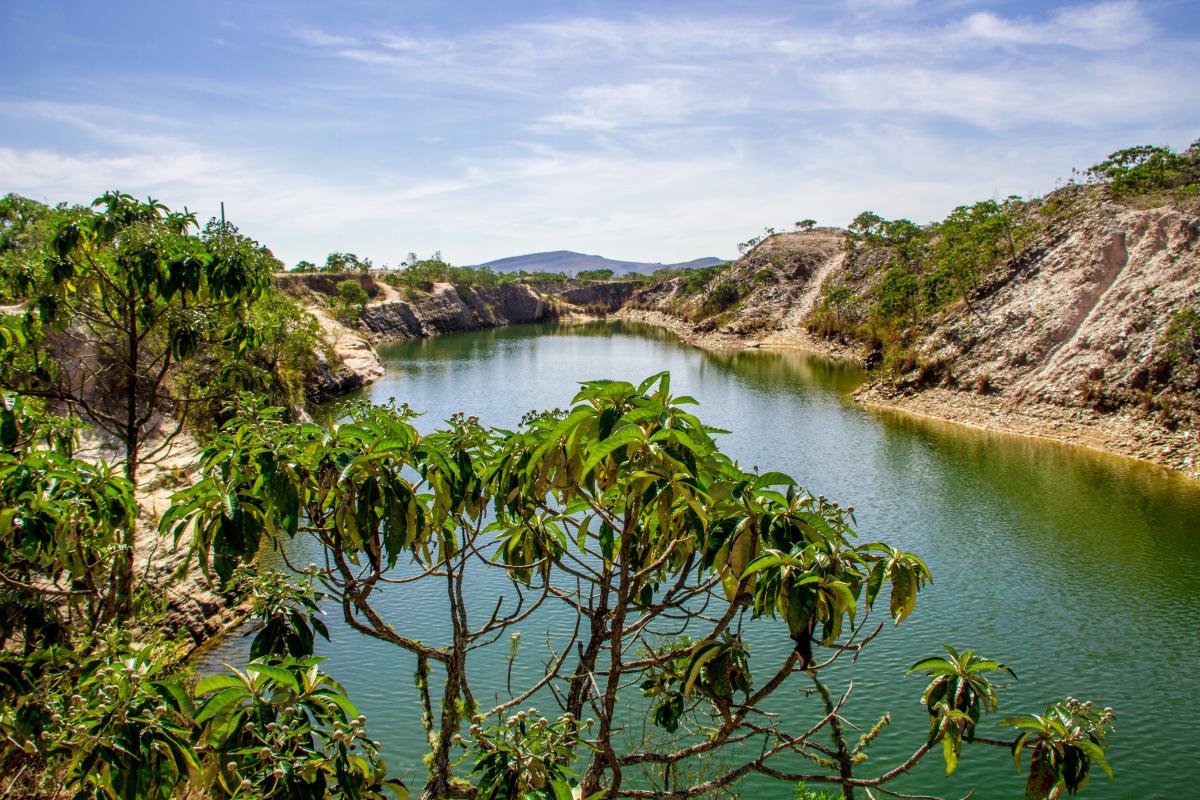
644	131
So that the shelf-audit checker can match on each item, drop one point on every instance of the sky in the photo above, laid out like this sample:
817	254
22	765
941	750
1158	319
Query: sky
640	131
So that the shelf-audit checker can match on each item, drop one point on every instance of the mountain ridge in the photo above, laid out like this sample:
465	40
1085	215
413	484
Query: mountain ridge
572	263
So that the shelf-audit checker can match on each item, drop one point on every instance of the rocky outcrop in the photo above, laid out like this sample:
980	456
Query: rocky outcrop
448	308
1067	341
325	283
771	290
606	297
345	360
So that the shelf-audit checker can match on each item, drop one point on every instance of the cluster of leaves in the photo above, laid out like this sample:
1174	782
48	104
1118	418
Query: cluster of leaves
696	279
1148	168
1064	742
132	313
340	263
958	694
350	301
26	228
62	525
594	275
933	265
684	672
112	717
418	274
922	270
525	757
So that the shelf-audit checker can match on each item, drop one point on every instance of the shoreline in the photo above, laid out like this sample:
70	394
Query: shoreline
1121	434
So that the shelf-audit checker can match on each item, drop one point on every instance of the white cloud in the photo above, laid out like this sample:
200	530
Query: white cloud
1102	26
662	101
321	38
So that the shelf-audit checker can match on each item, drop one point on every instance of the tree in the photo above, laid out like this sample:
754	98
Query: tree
26	227
351	292
1145	168
898	293
806	224
305	266
867	227
127	296
111	718
346	262
624	511
131	295
595	275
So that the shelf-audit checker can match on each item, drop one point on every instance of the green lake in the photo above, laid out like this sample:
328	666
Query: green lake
1079	570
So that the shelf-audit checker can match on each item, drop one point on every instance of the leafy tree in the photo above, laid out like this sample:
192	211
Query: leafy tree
839	298
867	227
127	297
131	295
1183	334
352	293
114	719
968	242
1145	168
305	266
723	295
806	224
1064	742
26	227
899	293
346	262
623	510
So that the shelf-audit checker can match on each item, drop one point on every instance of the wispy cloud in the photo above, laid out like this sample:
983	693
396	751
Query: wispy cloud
652	136
1101	26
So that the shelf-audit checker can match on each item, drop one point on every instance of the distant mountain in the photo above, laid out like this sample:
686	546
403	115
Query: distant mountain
573	263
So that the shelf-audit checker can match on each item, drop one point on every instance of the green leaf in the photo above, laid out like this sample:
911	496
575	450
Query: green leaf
936	665
702	653
221	701
277	674
214	682
950	746
625	436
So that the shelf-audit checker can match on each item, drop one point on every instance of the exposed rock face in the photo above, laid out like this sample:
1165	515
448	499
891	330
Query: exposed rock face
345	362
448	308
1084	322
1068	341
325	282
778	284
605	297
192	605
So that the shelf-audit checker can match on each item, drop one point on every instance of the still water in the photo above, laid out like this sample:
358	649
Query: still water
1079	570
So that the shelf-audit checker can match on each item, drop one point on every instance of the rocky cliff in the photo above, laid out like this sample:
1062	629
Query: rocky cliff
346	359
1076	338
448	308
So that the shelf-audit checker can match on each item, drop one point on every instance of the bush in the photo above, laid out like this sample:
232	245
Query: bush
1145	168
724	295
595	275
1183	334
899	293
352	293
